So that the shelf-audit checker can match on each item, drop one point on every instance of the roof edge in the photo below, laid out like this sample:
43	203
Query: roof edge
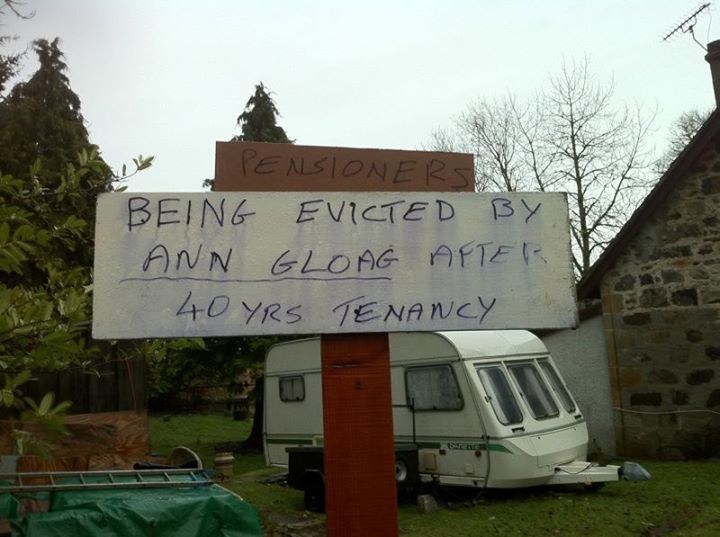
589	285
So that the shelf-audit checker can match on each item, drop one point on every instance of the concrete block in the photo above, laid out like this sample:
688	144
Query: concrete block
427	503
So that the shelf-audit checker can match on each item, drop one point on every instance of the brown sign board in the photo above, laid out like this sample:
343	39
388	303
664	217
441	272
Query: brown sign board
258	166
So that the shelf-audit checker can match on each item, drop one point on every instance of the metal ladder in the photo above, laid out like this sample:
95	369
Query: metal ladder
93	480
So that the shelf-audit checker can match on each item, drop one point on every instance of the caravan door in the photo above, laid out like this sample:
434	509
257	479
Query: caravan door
448	428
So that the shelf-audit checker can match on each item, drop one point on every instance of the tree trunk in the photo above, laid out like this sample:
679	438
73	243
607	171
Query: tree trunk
254	441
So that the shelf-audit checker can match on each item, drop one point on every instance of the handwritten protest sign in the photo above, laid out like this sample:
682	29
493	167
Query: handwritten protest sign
215	264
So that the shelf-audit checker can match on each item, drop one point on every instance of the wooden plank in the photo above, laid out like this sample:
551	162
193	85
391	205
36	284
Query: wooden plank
256	166
124	434
31	463
99	441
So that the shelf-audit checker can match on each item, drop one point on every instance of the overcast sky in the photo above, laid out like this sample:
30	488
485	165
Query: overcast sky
168	78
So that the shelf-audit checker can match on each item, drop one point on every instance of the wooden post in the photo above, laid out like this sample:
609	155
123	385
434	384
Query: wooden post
360	489
360	495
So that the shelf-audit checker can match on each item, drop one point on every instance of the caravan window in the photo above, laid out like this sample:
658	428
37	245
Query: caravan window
557	385
292	389
433	388
534	391
498	391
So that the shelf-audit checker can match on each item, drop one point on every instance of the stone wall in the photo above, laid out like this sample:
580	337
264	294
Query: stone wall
661	306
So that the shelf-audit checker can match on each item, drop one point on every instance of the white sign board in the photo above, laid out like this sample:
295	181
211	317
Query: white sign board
224	264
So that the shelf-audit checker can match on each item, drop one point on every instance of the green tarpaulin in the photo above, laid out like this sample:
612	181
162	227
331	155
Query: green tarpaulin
204	511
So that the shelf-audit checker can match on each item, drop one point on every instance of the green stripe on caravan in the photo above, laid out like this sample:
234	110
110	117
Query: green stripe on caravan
293	441
456	446
478	447
465	446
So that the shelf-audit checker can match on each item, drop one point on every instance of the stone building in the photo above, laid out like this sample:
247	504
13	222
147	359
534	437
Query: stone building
659	285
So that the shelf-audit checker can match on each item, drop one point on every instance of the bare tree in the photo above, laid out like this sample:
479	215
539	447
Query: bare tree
600	160
570	138
16	8
9	63
441	140
682	131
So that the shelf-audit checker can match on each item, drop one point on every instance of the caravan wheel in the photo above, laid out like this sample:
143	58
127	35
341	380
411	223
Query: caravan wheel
594	487
401	470
314	485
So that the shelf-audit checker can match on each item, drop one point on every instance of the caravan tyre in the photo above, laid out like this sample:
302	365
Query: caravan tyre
594	487
401	470
314	498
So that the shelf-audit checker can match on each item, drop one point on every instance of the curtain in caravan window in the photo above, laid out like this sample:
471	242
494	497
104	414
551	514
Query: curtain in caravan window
292	389
534	391
498	391
433	388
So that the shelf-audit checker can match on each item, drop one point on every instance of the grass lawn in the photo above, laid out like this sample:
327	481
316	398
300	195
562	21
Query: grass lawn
682	499
200	432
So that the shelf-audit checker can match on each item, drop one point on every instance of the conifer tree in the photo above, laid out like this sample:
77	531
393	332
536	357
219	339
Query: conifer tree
41	123
258	123
50	175
9	63
42	132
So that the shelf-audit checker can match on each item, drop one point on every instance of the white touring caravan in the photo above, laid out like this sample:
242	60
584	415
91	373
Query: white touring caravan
487	409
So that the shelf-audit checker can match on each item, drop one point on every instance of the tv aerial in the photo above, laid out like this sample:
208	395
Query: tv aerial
687	25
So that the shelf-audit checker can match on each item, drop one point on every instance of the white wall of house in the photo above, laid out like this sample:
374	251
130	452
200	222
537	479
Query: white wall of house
581	357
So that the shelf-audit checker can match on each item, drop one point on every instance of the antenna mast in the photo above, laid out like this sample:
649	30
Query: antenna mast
688	25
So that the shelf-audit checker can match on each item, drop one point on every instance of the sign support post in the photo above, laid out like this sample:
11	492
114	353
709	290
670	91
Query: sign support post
361	496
